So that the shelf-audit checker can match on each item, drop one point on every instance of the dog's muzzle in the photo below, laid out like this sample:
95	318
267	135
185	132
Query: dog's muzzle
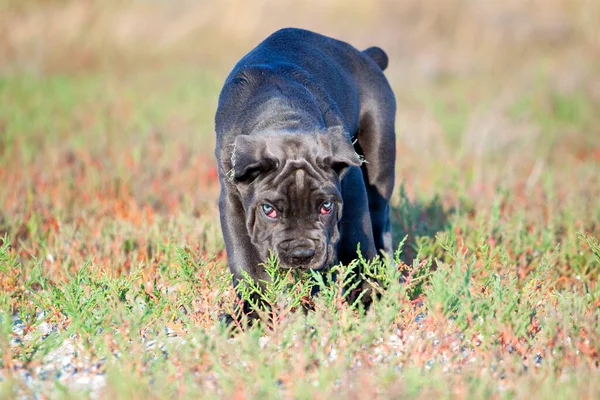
298	253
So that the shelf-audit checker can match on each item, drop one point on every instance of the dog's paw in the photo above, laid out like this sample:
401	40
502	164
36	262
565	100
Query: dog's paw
226	320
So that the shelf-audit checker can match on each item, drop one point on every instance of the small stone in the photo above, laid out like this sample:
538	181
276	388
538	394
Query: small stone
262	341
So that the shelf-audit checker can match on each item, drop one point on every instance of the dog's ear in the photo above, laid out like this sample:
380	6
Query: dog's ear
249	158
342	152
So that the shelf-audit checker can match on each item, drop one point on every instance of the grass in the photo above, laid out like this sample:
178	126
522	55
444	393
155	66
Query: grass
112	268
115	249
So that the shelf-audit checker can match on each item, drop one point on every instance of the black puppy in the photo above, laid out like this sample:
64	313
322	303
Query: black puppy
306	152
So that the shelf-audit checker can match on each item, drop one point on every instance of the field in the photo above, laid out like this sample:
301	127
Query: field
112	267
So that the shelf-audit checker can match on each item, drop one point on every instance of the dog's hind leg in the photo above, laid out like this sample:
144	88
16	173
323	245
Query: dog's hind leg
376	141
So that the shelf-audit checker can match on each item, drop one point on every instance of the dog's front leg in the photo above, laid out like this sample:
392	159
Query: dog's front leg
241	253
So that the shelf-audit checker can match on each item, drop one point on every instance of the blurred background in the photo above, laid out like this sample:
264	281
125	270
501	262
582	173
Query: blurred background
107	171
107	107
489	49
427	40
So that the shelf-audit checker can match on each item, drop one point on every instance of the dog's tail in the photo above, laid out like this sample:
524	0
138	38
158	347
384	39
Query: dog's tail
377	55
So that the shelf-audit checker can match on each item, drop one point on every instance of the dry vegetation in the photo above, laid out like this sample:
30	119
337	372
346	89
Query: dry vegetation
112	270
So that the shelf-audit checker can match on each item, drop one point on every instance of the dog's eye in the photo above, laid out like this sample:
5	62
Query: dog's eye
269	211
326	207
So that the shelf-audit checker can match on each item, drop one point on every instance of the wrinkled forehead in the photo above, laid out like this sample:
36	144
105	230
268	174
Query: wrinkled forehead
298	182
300	173
297	146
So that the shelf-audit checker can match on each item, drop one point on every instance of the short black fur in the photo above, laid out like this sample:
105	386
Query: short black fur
292	116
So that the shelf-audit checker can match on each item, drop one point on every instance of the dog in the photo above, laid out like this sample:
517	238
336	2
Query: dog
306	152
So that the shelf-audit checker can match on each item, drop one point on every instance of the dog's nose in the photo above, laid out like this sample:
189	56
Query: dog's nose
302	252
297	251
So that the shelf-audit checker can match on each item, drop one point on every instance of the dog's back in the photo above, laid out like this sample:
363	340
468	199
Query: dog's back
332	71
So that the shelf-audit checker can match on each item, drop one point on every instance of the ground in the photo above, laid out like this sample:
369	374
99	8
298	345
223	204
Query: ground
112	268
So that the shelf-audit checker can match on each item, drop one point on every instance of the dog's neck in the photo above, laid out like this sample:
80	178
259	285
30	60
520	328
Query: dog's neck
290	106
279	113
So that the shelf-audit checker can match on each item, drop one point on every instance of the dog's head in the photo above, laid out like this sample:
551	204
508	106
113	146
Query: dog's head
290	189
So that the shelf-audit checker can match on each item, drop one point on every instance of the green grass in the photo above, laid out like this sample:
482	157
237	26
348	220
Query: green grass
111	247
